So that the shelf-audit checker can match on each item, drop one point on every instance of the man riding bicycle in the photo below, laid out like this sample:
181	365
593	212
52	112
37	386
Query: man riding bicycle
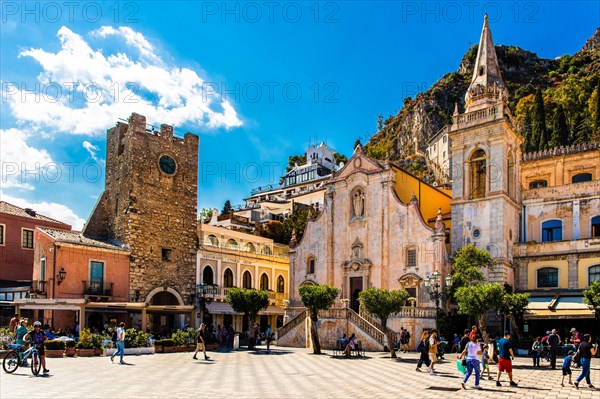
38	338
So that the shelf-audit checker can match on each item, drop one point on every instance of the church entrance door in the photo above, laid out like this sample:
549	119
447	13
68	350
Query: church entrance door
356	286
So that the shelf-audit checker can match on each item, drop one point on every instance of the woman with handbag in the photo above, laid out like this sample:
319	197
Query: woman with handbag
472	352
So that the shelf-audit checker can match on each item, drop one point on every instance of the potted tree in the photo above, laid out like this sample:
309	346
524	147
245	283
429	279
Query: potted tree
70	348
97	344
180	339
54	348
85	347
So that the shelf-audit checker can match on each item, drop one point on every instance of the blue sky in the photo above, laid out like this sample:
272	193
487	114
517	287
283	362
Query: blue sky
257	81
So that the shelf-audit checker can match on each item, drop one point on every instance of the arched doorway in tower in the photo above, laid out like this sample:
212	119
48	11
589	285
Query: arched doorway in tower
164	324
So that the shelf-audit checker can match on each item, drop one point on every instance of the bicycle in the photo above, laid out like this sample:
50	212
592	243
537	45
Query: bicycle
18	357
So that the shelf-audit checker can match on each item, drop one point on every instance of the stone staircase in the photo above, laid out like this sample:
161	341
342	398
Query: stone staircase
365	322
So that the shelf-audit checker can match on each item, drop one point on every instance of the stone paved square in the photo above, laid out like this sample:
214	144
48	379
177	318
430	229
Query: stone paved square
285	373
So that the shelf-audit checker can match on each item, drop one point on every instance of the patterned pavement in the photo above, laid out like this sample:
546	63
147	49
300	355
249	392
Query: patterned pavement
285	373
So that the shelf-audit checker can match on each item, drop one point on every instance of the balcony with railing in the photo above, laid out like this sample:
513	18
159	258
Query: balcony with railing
97	288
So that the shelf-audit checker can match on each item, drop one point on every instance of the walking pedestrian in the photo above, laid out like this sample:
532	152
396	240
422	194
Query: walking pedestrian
423	349
474	332
553	341
586	351
566	368
536	351
505	356
472	352
14	323
120	343
268	337
433	349
201	342
485	361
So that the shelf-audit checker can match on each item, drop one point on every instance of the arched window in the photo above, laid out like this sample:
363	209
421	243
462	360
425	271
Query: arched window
247	280
228	278
595	226
267	250
280	285
538	184
547	277
552	230
231	244
510	179
310	265
593	274
478	174
581	177
264	282
249	247
213	240
207	275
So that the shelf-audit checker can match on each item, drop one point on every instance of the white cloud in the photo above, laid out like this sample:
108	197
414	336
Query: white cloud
91	149
84	91
20	164
51	209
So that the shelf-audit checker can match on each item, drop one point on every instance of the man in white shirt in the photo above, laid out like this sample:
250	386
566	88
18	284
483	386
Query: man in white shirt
120	343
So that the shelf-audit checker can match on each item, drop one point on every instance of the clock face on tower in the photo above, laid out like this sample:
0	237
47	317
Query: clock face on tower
167	165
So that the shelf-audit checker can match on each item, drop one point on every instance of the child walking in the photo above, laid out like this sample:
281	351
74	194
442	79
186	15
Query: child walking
485	358
566	368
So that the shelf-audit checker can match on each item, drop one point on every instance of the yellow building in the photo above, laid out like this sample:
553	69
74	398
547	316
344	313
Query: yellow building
559	253
229	258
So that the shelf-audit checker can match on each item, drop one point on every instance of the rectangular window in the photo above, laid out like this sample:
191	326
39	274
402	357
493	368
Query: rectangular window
1	234
27	241
412	292
43	269
311	266
411	258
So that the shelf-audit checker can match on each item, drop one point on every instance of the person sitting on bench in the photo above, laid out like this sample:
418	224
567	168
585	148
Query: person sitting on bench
352	345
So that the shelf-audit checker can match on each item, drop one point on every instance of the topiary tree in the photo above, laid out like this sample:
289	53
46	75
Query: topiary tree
591	296
315	298
478	299
382	303
249	302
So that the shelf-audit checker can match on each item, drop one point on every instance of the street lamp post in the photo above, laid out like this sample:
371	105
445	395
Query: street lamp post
205	293
433	284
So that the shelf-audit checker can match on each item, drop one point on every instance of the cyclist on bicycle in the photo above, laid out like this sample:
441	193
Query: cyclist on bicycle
38	338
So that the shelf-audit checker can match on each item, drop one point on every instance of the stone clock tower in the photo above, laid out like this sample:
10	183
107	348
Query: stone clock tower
486	153
150	205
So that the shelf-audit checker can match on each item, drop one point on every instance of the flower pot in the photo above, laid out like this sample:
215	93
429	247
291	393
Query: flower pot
70	352
168	349
85	352
98	351
158	349
131	351
191	348
54	353
180	348
147	351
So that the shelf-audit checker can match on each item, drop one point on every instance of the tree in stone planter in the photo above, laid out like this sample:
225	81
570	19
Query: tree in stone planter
249	302
476	300
513	305
315	298
382	303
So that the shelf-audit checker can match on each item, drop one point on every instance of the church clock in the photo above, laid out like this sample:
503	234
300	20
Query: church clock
167	165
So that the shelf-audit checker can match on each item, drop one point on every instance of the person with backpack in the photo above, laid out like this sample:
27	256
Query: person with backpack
553	341
423	349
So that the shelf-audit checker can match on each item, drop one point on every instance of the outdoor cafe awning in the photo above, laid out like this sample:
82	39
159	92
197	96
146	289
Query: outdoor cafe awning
220	308
557	307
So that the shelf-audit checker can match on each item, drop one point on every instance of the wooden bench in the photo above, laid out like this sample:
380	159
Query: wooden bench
338	350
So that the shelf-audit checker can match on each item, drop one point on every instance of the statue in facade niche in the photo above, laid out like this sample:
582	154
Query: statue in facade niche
358	204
